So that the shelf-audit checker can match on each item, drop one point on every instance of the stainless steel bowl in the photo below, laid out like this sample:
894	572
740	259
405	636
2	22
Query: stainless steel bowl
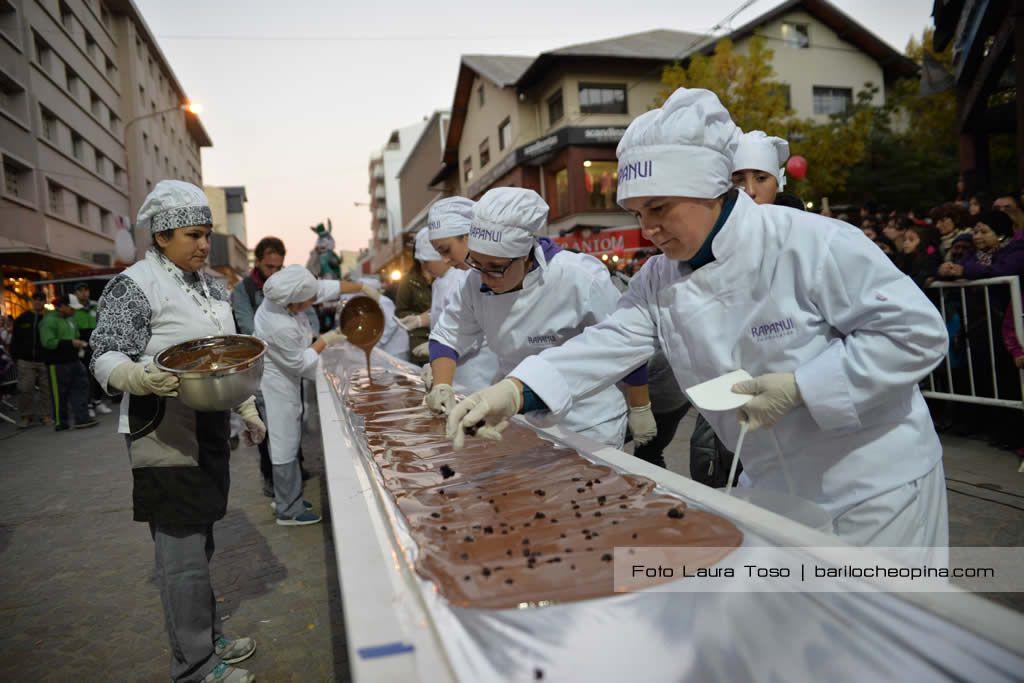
216	373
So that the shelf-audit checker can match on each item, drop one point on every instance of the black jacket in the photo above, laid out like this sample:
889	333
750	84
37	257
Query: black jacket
25	344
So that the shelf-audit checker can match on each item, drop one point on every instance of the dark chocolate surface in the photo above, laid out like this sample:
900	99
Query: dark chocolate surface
521	521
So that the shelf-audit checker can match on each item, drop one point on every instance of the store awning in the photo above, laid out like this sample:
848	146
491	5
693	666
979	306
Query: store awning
32	258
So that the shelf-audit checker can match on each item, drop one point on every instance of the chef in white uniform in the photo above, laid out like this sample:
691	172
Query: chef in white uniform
835	336
525	295
179	456
292	356
448	223
759	165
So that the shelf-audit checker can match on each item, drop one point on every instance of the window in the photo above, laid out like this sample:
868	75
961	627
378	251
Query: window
467	169
600	182
106	222
44	55
480	94
78	146
105	17
83	211
17	179
12	96
111	69
600	98
485	152
556	110
795	35
55	197
562	192
9	21
115	123
92	48
72	81
49	125
119	175
67	18
832	100
505	134
101	164
97	106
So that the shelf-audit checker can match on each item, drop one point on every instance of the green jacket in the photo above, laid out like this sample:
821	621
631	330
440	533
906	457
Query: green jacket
56	333
85	320
414	298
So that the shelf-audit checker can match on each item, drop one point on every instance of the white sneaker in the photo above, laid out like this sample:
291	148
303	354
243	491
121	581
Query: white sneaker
102	408
92	414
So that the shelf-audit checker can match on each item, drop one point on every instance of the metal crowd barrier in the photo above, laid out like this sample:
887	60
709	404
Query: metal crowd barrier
8	390
958	290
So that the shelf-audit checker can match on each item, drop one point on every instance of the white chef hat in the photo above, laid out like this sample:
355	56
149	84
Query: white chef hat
758	151
683	149
450	217
505	221
291	285
424	249
174	204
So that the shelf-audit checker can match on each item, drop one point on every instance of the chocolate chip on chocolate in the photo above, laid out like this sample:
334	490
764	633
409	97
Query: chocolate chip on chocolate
581	490
568	550
575	507
488	530
573	567
486	571
466	577
553	560
526	524
589	549
435	515
526	541
634	535
597	514
601	500
615	521
440	492
509	552
444	528
623	507
504	493
562	536
576	478
578	514
597	481
464	556
509	581
497	509
447	472
539	515
589	484
676	513
468	539
554	521
623	497
539	492
607	557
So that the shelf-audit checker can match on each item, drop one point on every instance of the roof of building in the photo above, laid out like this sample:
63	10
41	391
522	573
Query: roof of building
502	70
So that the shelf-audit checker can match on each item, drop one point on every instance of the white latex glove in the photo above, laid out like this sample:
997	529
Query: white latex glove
142	379
775	395
641	424
255	430
333	337
427	375
491	406
441	399
421	350
371	292
414	322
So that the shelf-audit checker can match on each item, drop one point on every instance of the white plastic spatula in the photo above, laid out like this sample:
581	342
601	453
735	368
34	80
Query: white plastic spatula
716	395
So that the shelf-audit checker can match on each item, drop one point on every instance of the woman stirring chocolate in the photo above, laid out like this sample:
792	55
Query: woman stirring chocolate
179	456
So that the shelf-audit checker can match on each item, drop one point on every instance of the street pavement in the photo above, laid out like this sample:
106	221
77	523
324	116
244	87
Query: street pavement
77	596
78	601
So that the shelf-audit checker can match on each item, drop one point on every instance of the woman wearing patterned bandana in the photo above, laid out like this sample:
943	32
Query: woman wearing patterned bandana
179	456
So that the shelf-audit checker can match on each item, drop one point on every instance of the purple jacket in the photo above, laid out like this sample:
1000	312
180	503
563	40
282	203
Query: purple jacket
1008	260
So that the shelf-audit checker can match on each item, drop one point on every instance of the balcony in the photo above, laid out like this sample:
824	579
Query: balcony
381	213
378	172
379	192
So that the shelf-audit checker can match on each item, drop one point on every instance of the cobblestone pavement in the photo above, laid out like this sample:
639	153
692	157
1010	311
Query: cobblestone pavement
78	600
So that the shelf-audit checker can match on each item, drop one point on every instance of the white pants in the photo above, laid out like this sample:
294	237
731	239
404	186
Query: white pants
914	515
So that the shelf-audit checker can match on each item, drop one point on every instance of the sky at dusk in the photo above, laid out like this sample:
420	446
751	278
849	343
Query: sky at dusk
297	95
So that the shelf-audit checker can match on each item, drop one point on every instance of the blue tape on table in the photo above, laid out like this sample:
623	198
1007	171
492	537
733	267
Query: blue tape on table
385	650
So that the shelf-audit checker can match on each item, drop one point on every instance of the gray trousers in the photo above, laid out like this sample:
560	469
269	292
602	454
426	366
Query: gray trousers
33	377
190	610
288	489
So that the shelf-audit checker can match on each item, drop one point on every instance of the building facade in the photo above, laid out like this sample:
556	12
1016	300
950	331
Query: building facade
552	123
90	119
387	244
229	252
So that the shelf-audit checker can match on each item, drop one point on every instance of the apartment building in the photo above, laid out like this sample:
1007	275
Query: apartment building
90	119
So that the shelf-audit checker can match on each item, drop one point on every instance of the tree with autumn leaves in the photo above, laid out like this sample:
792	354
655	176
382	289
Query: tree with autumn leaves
900	154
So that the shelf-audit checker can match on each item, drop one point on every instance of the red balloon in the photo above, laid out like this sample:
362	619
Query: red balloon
796	167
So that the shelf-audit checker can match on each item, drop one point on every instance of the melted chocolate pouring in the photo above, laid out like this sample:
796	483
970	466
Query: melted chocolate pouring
448	498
